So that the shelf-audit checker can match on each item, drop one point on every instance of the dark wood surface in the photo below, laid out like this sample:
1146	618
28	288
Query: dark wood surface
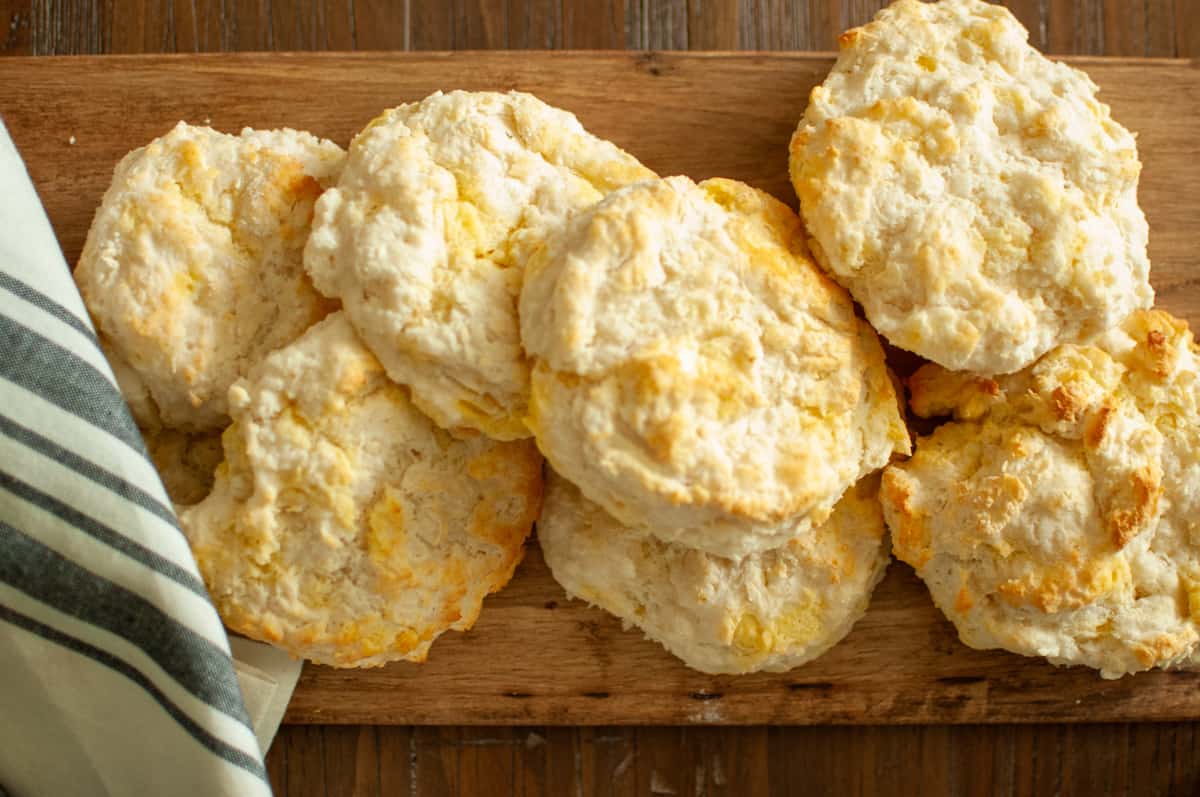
1089	759
1155	28
1039	760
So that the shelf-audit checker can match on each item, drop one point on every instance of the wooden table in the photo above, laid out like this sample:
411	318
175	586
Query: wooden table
330	760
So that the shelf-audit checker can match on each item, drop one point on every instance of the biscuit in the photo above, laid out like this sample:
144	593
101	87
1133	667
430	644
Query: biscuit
696	375
193	267
974	196
186	463
344	526
133	389
1056	515
426	236
770	611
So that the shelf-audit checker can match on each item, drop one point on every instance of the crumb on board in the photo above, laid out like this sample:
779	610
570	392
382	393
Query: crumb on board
71	141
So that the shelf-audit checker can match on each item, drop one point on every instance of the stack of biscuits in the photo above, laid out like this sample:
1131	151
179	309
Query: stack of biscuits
981	205
709	403
349	365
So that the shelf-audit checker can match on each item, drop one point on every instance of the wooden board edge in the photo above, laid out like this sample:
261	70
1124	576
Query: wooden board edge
568	709
574	719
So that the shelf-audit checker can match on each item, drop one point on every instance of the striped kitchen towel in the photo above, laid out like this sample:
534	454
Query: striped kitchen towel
115	672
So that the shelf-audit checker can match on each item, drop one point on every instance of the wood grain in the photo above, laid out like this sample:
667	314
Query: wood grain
1187	28
902	663
1163	28
972	760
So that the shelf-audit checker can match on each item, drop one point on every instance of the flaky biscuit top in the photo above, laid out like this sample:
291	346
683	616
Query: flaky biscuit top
974	196
426	237
192	267
1057	514
344	525
695	374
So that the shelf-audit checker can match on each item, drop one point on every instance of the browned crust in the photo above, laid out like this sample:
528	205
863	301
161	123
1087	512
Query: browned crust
1097	426
1124	524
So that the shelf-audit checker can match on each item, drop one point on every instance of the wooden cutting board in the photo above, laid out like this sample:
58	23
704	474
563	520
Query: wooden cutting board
536	657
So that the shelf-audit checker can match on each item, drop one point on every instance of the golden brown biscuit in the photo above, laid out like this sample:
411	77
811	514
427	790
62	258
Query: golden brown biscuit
974	196
1056	516
770	611
186	463
426	236
696	375
345	526
193	267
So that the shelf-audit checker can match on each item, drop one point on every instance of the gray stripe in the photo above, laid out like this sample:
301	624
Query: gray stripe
196	664
85	467
39	299
100	532
101	656
56	374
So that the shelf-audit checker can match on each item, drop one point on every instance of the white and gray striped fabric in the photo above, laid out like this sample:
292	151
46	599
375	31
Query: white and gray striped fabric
115	671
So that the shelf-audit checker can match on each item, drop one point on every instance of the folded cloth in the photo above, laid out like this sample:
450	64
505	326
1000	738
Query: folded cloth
115	671
268	677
